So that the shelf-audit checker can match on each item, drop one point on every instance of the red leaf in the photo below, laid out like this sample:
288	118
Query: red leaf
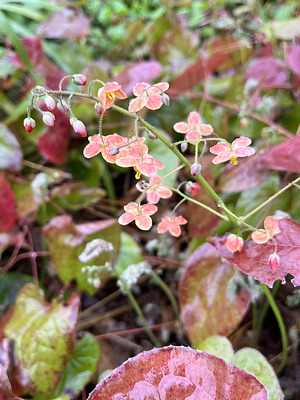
7	205
293	58
195	74
68	24
285	156
33	47
178	373
205	307
269	72
253	259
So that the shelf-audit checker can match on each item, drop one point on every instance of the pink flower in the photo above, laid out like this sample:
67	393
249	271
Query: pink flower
234	243
157	191
150	96
274	261
146	165
225	152
271	229
79	79
194	129
138	214
192	188
104	145
108	93
171	224
29	124
79	128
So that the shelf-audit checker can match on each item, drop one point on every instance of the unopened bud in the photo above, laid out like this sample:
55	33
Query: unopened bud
29	124
244	122
234	243
99	109
79	128
39	90
274	260
196	169
151	135
96	283
114	151
192	188
62	105
79	79
183	147
50	102
48	118
165	99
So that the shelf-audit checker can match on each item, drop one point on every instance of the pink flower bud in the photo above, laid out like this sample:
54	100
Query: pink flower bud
48	118
183	147
114	151
234	243
79	128
79	79
192	188
50	102
29	124
63	106
151	135
196	169
244	122
165	99
99	109
274	260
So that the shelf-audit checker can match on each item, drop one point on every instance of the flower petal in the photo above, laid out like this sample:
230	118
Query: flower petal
194	118
143	222
111	87
193	135
120	94
260	237
220	148
137	104
242	141
164	192
163	226
205	129
154	102
126	162
244	152
153	197
271	225
148	209
180	220
181	127
126	218
139	87
174	229
91	150
222	158
146	169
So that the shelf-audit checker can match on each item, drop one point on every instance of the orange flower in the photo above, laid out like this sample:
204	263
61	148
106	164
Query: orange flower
234	243
271	229
141	215
171	224
194	129
150	96
108	93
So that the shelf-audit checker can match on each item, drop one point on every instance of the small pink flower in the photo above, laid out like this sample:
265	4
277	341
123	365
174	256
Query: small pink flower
149	96
103	145
225	152
141	215
29	124
171	224
157	191
271	229
194	129
146	165
274	261
108	93
192	188
234	243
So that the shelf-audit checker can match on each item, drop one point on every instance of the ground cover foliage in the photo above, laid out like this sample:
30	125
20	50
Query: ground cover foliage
150	202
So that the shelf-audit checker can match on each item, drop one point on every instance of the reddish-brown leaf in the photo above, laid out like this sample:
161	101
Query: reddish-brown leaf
7	205
293	58
253	259
178	373
285	156
206	309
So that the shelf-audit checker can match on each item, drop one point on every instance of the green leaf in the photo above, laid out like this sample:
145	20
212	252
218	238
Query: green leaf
81	366
255	363
219	346
11	156
44	339
130	254
10	284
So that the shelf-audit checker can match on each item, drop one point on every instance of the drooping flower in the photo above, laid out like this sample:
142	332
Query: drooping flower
271	229
155	192
274	261
194	130
150	96
238	148
171	224
79	128
108	93
234	243
139	214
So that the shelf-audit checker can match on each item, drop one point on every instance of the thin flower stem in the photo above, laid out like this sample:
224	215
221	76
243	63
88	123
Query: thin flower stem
196	152
200	140
139	312
177	205
281	327
270	199
167	291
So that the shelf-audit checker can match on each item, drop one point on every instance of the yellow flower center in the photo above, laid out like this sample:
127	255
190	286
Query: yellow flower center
138	174
111	95
233	160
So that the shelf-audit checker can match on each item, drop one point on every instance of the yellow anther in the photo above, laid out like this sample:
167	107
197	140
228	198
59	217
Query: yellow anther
138	173
233	160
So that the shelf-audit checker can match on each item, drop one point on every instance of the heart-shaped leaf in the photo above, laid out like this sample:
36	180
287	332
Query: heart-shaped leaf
206	309
178	373
285	156
44	339
7	205
253	259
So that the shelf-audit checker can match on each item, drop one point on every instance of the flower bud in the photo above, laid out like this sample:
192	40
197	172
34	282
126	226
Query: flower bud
99	109
196	169
50	102
234	243
165	99
29	124
244	122
192	188
151	135
274	260
48	118
39	90
114	151
62	105
79	79
79	128
183	147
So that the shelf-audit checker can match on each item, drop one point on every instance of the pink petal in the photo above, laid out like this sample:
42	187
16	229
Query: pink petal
163	226
107	157
102	98
120	94
126	162
244	152
181	127
111	87
260	237
154	179
157	163
91	150
153	197
115	140
139	87
95	139
193	135
220	148
180	220
205	129
148	209
174	229
162	85
222	158
143	222
271	225
194	118
154	102
147	169
109	102
126	218
131	208
158	88
164	192
137	104
242	141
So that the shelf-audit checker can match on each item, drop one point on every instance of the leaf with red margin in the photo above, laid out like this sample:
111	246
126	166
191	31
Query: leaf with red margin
253	259
205	307
7	205
285	156
44	336
178	373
